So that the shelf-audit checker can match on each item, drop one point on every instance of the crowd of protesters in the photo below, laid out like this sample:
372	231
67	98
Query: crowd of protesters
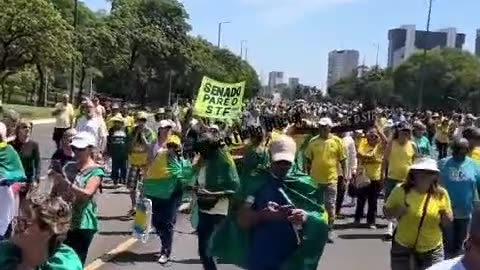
263	199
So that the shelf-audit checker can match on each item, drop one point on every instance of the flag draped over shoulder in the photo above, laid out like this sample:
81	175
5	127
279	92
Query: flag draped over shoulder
166	174
256	159
221	173
230	242
302	144
11	168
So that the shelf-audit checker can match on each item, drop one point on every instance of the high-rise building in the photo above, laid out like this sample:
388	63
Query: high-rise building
406	40
477	43
275	78
341	64
293	82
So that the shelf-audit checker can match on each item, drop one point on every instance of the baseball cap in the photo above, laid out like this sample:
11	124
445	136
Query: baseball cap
214	127
283	149
325	121
425	164
165	124
142	116
83	140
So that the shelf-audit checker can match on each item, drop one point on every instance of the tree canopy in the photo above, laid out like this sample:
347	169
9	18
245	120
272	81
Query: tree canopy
450	78
139	50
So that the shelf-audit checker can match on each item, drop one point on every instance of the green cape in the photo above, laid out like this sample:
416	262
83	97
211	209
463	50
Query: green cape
221	172
256	158
11	168
230	242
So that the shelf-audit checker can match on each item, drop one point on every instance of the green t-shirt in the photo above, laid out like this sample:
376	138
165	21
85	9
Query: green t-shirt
85	214
64	258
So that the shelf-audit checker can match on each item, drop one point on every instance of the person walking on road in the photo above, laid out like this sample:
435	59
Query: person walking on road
93	124
28	151
370	156
398	157
421	207
460	175
117	149
165	179
217	180
79	187
324	154
140	139
64	116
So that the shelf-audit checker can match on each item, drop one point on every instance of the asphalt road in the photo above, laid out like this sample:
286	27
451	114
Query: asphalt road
361	249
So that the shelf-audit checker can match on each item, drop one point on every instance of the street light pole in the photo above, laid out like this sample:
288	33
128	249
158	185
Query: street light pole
220	32
72	75
241	48
424	59
377	45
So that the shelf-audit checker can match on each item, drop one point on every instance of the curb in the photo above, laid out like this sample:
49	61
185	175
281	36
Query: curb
43	121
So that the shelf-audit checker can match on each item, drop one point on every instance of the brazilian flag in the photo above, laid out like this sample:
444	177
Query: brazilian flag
230	242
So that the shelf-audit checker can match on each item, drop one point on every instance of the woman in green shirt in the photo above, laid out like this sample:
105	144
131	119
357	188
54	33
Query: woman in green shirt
423	144
37	242
79	183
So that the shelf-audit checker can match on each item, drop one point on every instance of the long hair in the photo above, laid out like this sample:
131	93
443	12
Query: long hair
434	187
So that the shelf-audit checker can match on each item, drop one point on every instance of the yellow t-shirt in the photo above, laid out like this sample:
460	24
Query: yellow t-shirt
65	115
325	156
442	133
430	235
400	160
373	164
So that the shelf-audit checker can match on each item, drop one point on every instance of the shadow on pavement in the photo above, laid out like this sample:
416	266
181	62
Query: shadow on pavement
115	233
361	236
132	257
352	226
120	192
187	261
120	218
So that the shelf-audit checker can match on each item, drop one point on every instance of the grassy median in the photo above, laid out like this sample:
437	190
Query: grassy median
30	112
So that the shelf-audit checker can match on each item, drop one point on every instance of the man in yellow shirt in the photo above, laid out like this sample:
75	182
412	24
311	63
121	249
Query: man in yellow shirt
64	115
323	155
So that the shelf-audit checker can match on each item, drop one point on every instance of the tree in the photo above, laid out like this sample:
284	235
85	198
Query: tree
447	73
32	32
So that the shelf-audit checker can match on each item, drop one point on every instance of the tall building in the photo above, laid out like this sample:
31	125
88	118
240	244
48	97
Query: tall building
341	64
275	78
293	82
477	43
406	40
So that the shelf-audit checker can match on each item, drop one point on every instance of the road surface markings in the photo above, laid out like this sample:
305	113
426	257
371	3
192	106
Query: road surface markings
122	247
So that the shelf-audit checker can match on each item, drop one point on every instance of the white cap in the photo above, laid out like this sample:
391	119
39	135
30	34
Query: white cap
325	121
165	124
83	140
425	164
214	127
3	131
283	149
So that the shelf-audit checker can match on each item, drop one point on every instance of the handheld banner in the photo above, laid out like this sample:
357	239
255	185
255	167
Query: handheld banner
219	100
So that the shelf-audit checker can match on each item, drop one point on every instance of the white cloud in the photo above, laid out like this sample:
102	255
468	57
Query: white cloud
284	12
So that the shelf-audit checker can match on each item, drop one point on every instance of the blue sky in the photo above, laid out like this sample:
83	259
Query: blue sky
295	36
